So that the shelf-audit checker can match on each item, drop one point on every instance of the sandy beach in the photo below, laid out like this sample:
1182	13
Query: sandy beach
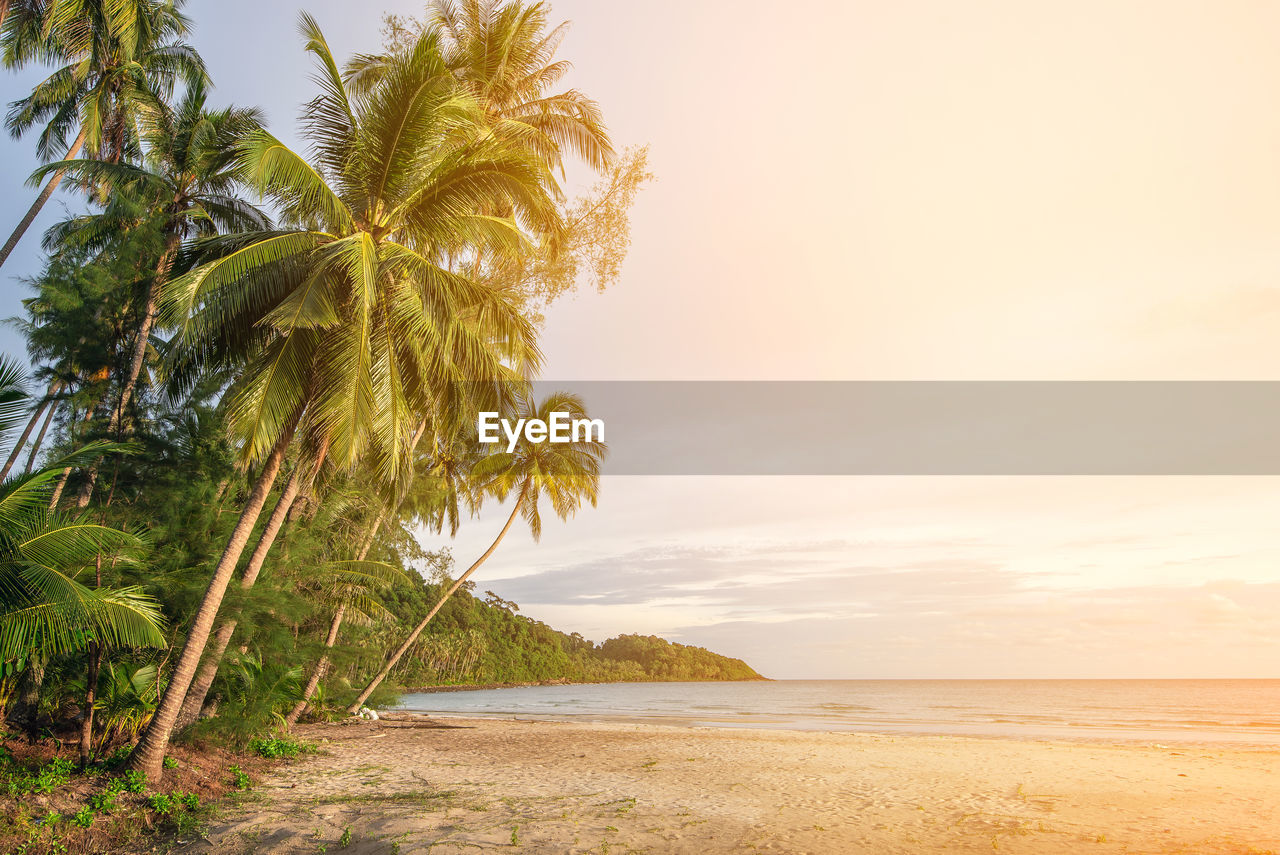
465	785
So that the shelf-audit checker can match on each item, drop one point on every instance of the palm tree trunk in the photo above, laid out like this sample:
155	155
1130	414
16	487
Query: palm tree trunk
30	698
34	211
66	473
213	658
90	695
31	425
413	636
321	667
136	359
148	756
366	544
57	491
35	446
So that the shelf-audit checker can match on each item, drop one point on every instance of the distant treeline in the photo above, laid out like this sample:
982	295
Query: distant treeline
480	641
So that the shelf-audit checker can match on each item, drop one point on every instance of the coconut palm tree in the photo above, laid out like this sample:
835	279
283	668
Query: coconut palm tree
346	322
565	473
503	55
116	60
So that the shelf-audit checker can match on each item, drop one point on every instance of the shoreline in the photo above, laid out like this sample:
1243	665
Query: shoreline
1066	736
484	687
466	783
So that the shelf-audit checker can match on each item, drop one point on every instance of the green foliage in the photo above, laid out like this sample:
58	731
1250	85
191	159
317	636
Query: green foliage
170	763
131	781
240	778
104	801
84	817
161	803
274	748
44	779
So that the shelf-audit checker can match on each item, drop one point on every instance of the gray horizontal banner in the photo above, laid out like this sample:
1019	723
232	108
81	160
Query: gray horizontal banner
935	428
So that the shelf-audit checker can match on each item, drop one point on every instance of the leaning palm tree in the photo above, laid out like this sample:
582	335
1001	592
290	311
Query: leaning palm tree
116	60
565	473
351	589
344	321
430	500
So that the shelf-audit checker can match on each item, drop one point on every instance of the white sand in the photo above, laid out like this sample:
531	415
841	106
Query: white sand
617	788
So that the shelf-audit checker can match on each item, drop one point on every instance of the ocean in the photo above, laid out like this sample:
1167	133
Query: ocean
1160	711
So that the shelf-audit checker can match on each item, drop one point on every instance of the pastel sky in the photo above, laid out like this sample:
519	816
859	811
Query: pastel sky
911	190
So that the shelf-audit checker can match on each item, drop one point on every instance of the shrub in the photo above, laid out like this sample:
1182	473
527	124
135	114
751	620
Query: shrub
161	804
275	748
240	778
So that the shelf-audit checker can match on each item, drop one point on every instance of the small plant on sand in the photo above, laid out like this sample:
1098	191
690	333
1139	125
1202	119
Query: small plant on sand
132	781
345	840
515	835
275	748
161	804
240	778
104	801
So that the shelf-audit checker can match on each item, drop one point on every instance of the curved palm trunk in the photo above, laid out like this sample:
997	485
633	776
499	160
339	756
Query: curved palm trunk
91	694
30	697
66	473
321	667
148	756
35	446
34	211
213	658
413	636
136	359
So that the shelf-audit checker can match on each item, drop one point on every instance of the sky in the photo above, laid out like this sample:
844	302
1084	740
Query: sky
906	191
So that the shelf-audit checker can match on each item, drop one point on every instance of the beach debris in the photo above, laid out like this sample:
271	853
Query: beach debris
367	714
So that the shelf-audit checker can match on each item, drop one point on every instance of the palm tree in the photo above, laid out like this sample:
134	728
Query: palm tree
348	325
117	59
504	55
189	175
304	473
352	588
566	473
430	500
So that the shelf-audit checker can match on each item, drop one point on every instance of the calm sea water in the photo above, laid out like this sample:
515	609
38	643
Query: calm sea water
1237	711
